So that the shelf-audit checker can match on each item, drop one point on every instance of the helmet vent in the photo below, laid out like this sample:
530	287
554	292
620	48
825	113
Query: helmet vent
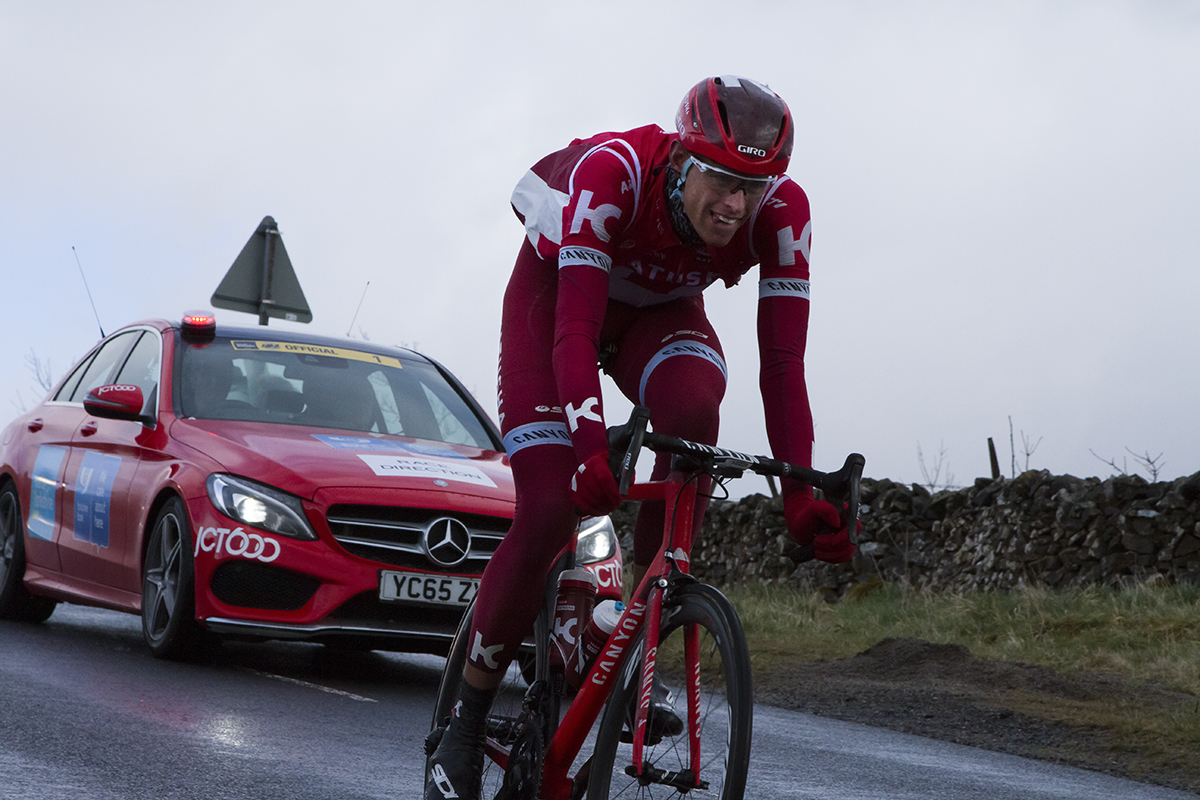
782	130
724	119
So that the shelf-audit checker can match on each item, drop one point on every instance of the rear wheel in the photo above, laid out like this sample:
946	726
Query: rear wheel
725	713
168	587
15	602
502	727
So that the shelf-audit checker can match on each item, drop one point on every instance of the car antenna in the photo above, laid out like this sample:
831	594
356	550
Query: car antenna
89	292
360	302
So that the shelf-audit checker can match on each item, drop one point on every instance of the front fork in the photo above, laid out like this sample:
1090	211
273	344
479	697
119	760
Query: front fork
682	499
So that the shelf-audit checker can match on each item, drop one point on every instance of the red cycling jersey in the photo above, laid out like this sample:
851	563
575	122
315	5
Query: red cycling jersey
597	209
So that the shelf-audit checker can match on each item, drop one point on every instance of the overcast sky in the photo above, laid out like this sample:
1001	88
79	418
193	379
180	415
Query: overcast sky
1005	195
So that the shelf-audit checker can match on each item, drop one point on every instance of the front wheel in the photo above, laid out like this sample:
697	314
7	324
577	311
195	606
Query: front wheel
723	720
15	602
168	587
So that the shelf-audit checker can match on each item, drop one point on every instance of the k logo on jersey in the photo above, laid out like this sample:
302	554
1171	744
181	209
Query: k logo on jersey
587	410
596	217
789	244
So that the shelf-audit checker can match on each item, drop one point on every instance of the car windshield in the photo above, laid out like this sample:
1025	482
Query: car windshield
296	383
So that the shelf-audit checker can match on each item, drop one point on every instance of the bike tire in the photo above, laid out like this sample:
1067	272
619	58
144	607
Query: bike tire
506	707
726	704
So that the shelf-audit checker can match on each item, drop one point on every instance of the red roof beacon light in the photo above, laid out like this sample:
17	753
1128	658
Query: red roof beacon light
199	327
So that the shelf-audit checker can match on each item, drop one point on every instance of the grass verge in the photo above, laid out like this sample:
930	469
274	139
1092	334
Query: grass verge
1143	642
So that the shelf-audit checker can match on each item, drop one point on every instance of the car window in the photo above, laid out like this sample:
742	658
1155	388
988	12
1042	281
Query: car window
324	387
142	367
68	387
104	366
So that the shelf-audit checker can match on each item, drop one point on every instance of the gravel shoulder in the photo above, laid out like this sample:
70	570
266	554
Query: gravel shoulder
942	692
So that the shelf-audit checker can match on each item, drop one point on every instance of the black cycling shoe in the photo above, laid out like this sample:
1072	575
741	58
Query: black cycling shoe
661	719
455	769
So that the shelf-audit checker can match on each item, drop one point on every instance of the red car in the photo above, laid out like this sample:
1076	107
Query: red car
252	483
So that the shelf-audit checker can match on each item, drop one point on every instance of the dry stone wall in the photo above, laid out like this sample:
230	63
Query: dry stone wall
1036	529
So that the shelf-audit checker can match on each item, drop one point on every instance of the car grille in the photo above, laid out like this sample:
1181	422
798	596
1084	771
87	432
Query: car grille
396	536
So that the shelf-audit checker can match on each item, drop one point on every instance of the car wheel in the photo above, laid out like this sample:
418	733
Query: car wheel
15	602
168	587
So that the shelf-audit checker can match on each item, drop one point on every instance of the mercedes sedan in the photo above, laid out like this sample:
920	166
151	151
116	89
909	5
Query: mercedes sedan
251	483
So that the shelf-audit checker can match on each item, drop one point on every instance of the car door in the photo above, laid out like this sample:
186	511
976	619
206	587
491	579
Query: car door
43	459
97	538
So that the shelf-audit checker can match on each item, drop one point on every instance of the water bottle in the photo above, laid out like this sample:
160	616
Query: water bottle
604	619
572	610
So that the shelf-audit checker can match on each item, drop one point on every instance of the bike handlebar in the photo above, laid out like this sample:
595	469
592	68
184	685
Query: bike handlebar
626	441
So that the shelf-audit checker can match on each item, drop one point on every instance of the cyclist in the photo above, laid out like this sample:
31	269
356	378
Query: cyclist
624	231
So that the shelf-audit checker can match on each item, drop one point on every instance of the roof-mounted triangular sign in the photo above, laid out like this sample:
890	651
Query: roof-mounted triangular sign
262	281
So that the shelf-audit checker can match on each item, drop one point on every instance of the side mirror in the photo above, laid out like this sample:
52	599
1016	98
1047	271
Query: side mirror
118	401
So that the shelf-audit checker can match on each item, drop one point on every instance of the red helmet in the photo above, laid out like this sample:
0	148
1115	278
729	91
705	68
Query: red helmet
737	123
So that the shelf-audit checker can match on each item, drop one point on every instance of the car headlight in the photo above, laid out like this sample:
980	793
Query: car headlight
259	506
597	540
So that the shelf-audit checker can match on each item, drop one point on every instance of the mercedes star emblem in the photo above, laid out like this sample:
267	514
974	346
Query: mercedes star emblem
447	541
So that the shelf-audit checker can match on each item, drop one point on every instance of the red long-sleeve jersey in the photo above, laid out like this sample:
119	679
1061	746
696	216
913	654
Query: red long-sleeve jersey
598	210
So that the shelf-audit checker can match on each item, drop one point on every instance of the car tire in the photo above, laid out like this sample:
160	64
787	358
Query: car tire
16	603
169	625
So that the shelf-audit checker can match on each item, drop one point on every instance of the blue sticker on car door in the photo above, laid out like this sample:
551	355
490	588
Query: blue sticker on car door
93	493
43	491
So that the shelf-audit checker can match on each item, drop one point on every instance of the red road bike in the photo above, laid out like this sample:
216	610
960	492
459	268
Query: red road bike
542	742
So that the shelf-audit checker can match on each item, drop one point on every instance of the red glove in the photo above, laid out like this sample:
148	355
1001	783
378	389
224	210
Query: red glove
817	524
593	487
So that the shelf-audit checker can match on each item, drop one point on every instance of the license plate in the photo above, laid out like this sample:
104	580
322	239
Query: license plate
423	589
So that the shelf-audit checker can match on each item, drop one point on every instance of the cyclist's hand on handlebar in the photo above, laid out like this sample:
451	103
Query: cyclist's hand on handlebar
817	524
593	487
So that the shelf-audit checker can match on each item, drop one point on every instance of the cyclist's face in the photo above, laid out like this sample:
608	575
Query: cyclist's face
716	203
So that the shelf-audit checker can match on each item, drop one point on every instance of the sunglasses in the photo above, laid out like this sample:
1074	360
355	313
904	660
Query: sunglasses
730	182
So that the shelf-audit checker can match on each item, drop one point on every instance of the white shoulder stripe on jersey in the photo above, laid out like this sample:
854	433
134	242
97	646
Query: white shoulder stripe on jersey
783	287
541	206
585	257
633	167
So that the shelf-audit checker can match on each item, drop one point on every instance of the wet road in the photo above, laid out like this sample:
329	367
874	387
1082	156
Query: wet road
87	713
